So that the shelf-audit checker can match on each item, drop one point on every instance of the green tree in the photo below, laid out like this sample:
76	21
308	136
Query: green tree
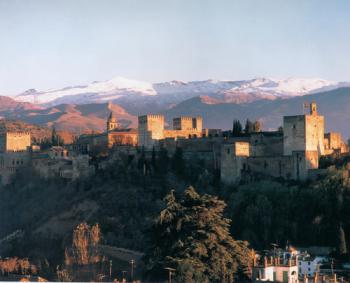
192	236
237	128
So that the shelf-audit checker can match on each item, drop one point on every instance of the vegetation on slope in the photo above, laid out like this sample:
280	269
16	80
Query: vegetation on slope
127	196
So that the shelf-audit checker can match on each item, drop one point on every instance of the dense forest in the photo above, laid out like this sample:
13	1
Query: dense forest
127	197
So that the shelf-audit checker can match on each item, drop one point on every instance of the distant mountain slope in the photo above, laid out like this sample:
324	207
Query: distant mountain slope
8	104
136	96
334	105
74	118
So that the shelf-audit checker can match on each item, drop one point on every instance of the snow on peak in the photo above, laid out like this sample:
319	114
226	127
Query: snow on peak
105	90
176	91
285	87
302	86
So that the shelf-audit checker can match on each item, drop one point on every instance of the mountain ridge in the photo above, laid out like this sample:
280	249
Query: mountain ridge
122	90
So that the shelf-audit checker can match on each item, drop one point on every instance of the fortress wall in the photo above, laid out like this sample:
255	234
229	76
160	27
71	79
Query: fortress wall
232	161
279	166
266	145
303	161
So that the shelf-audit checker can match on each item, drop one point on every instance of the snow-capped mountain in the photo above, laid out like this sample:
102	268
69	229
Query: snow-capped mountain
128	92
94	92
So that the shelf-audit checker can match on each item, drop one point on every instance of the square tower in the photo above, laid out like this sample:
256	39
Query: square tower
14	141
150	129
303	132
184	123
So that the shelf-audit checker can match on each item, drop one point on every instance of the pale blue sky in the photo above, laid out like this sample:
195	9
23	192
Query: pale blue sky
52	44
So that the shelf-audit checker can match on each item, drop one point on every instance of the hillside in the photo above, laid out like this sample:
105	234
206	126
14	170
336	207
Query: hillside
8	104
73	118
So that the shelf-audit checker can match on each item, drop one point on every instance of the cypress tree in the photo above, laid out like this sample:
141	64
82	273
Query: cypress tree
237	128
249	127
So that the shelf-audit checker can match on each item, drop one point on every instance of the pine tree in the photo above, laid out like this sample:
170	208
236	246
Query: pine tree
192	236
237	128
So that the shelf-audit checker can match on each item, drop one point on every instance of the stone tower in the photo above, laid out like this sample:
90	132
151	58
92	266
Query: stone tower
304	132
184	123
150	129
303	139
112	123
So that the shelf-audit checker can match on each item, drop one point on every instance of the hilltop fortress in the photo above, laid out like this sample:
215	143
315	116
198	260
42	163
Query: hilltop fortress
291	153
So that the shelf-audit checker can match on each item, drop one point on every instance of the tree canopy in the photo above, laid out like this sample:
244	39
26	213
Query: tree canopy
192	236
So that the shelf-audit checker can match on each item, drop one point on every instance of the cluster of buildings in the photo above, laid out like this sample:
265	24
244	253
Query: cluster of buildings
18	154
292	153
293	266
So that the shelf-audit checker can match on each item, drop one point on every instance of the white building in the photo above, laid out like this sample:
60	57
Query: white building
309	265
276	269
